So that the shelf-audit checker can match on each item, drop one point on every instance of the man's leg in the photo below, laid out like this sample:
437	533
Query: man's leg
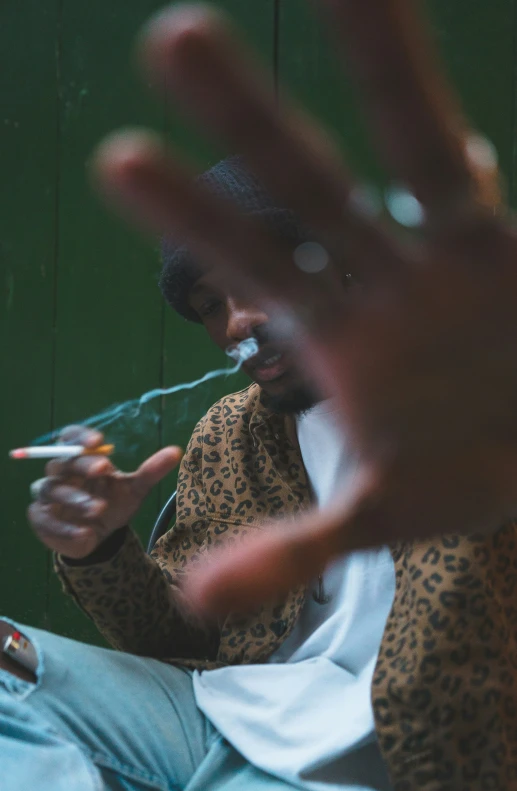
224	769
92	718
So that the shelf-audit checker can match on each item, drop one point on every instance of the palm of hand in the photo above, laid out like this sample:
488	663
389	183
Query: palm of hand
422	370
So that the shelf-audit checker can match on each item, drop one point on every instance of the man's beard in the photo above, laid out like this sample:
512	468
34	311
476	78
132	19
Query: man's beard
293	402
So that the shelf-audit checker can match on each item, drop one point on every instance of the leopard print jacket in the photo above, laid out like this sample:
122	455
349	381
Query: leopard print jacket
445	688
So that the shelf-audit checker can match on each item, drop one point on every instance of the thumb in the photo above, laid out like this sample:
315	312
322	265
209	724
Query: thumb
155	468
276	560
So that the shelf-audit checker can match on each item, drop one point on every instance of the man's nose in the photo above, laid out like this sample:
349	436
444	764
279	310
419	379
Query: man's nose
243	319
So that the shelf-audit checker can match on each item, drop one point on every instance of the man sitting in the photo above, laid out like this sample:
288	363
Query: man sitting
392	664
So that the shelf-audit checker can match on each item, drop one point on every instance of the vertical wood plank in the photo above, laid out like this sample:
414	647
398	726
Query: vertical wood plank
513	112
28	146
477	41
478	44
108	309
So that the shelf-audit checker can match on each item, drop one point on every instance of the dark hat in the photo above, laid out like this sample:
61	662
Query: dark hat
231	179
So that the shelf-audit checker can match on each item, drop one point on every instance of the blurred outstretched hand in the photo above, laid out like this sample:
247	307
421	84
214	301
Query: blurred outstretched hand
422	354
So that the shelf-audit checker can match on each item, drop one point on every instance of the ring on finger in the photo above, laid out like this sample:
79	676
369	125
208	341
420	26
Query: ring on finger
461	207
38	487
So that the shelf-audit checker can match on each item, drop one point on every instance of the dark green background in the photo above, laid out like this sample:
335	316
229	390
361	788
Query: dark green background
83	324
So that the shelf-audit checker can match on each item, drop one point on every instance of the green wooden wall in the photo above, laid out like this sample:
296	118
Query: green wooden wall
82	321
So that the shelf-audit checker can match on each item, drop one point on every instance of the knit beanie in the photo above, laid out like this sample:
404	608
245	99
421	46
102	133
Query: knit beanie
230	179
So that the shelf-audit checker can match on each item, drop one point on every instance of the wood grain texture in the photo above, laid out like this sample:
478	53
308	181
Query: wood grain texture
476	39
28	146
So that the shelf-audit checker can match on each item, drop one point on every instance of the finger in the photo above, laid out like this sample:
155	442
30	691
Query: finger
80	467
42	488
139	176
155	468
37	487
277	560
71	540
193	52
78	503
416	120
81	435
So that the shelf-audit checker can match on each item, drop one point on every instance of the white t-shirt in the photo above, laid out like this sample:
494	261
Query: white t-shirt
306	715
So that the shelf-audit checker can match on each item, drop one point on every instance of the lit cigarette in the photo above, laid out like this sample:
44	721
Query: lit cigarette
60	451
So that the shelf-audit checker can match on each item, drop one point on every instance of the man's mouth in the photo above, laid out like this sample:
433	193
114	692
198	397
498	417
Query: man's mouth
268	365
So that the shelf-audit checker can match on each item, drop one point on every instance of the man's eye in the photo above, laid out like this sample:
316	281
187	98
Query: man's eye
209	306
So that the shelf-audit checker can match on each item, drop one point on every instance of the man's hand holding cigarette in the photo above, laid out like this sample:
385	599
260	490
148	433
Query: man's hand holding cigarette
83	500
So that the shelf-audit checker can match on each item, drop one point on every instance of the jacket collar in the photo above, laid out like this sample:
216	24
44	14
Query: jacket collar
271	430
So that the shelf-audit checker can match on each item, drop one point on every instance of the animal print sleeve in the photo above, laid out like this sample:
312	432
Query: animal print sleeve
134	599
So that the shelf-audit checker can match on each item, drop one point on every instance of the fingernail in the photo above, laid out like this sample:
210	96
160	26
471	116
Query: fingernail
81	499
36	487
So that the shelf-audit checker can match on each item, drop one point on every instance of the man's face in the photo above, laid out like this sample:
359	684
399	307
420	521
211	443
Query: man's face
229	320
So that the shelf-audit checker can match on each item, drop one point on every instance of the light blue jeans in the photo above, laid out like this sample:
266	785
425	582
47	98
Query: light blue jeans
98	719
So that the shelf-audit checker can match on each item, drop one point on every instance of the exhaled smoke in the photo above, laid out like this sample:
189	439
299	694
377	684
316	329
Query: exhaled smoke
132	410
